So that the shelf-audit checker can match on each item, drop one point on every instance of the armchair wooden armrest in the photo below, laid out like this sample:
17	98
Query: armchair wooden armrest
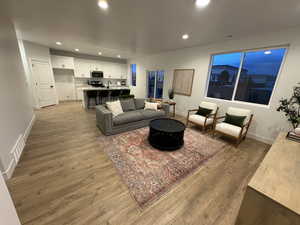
188	115
220	117
211	115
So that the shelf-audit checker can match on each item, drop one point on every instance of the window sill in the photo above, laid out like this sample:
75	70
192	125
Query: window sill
240	102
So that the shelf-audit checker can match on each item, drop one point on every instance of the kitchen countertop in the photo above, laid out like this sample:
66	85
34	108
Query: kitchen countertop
103	88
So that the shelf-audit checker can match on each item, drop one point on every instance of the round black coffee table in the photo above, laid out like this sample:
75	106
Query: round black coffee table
166	134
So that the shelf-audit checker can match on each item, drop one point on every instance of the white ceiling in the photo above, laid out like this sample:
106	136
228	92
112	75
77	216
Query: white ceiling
131	27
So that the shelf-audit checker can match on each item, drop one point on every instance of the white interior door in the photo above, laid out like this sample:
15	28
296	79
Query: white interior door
44	81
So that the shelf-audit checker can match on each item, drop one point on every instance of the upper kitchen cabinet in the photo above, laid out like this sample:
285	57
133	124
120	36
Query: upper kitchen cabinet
82	68
62	62
96	66
124	71
115	71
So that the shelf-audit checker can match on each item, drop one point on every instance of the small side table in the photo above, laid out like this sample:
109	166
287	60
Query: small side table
171	103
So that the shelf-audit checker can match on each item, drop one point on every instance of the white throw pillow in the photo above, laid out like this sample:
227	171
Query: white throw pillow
115	107
151	105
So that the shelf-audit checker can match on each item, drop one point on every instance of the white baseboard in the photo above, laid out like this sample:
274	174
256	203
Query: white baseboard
17	150
28	129
10	169
260	138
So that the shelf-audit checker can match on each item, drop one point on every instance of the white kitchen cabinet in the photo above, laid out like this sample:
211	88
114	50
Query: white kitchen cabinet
107	69
114	70
79	94
62	62
82	68
96	66
124	71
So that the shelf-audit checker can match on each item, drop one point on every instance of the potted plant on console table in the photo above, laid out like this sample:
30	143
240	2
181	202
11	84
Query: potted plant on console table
291	108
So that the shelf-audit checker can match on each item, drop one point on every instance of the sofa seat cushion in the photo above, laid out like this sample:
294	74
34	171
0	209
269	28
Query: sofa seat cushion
127	117
197	119
151	114
229	129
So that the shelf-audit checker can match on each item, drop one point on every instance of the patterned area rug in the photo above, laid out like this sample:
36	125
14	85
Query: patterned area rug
148	172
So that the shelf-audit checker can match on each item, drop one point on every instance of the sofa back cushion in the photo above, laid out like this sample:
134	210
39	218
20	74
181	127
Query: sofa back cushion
139	103
128	105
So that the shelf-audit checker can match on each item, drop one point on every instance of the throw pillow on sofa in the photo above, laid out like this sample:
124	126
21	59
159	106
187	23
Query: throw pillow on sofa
115	107
128	105
151	105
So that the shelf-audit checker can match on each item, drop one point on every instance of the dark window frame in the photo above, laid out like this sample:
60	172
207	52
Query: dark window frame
243	52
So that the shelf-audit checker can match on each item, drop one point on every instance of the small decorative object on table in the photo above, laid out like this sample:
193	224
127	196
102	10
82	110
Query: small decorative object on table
171	94
291	108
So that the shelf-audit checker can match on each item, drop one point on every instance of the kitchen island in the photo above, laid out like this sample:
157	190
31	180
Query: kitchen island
87	89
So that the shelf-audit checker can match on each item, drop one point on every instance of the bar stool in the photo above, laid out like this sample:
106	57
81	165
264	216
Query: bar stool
92	95
125	92
103	95
114	94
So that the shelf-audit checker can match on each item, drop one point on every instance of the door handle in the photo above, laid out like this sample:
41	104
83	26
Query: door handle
52	86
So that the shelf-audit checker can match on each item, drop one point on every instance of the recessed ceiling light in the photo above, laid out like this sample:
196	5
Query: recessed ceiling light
119	56
268	52
58	43
202	3
103	4
76	49
185	36
99	53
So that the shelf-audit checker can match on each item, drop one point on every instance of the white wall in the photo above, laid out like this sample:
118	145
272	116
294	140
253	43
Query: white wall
16	111
267	121
7	210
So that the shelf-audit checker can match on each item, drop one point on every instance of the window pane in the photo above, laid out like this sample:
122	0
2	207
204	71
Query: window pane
258	76
151	84
224	70
133	74
159	84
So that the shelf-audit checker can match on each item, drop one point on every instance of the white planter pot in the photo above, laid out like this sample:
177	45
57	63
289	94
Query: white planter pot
297	131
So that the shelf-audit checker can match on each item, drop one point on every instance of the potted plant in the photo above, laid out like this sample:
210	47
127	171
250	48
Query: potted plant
291	108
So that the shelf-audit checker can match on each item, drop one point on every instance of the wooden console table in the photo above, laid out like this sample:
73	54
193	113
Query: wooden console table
273	194
171	103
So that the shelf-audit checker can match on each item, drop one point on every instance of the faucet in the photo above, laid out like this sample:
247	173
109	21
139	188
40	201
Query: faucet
109	82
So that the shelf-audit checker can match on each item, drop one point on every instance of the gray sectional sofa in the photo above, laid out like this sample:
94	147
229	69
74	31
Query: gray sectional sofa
134	116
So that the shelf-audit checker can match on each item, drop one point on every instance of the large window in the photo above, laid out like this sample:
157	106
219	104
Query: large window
133	74
248	76
155	83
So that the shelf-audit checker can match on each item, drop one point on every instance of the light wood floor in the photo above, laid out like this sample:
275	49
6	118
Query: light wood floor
64	178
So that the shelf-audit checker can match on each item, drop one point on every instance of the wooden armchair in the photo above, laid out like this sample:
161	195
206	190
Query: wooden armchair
203	121
236	132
